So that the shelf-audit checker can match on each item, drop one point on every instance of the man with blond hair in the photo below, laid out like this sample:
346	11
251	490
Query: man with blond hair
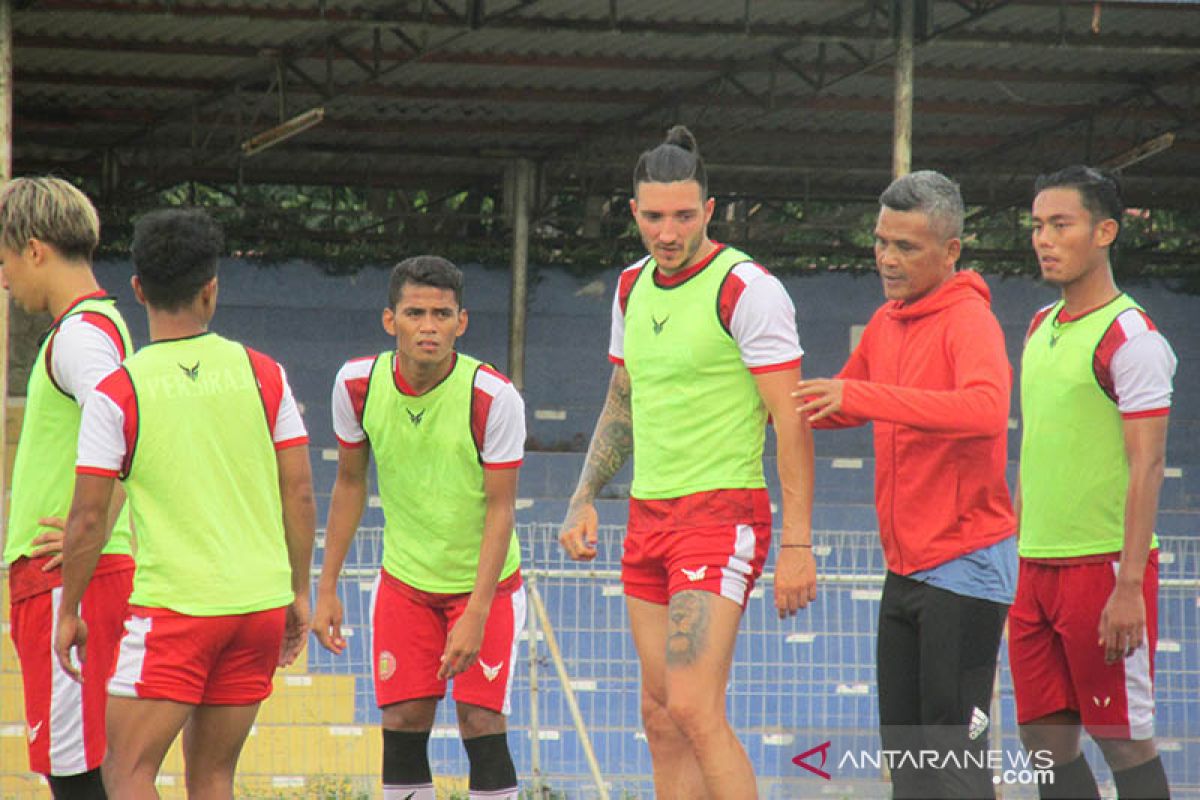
48	233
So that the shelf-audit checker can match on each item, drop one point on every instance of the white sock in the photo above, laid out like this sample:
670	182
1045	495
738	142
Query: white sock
422	791
494	794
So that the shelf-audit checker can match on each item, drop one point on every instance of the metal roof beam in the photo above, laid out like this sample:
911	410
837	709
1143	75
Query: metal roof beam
510	19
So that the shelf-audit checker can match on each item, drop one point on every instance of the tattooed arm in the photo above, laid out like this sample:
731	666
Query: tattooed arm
612	444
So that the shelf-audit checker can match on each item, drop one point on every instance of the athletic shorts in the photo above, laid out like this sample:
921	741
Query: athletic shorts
65	733
724	558
1057	664
214	661
409	629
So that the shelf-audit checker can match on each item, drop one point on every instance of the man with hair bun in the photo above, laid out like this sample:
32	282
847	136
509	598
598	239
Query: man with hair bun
207	438
704	348
448	434
48	233
1096	384
932	375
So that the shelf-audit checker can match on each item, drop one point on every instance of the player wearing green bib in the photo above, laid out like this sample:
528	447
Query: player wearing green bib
1096	383
704	346
208	441
448	434
48	232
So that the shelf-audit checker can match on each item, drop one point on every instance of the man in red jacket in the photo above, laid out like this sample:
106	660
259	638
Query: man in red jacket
932	374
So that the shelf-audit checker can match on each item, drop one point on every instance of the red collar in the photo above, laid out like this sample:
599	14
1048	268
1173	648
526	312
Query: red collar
404	387
670	281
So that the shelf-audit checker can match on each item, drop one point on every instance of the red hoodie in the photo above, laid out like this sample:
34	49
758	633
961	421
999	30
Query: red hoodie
934	377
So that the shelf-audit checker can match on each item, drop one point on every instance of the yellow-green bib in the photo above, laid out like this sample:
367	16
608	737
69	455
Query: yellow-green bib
430	479
203	483
698	420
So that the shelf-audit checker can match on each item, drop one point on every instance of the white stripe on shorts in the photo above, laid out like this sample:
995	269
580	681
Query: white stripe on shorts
131	658
1139	689
518	617
734	574
67	753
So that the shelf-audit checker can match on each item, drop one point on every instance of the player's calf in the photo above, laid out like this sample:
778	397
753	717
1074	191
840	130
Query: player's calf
492	772
406	772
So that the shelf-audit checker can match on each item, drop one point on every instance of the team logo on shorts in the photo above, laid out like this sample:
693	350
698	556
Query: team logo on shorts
490	672
694	575
387	665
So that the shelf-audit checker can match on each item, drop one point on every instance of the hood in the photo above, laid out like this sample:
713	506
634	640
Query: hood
962	285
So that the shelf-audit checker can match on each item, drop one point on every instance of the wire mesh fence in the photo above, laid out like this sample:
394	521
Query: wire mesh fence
795	685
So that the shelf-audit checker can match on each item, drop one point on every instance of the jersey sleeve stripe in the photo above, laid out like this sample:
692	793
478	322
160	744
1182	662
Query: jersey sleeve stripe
625	283
351	445
793	364
98	472
270	385
118	387
109	328
1154	412
1038	319
504	464
293	442
481	406
620	362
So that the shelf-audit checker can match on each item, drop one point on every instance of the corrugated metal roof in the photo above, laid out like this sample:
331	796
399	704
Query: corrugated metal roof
144	80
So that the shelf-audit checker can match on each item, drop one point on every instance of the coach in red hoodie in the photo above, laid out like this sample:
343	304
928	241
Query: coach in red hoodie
931	373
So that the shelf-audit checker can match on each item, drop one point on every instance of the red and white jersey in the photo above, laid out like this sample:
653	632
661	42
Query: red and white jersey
497	412
109	429
753	306
83	349
1134	364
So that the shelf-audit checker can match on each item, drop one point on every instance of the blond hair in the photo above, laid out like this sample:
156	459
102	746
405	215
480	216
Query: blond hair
52	211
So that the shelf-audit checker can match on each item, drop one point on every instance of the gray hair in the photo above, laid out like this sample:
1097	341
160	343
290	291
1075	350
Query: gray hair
932	194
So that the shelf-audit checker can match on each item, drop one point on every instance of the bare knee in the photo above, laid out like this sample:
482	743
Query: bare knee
474	721
655	718
694	717
1057	733
1122	754
410	715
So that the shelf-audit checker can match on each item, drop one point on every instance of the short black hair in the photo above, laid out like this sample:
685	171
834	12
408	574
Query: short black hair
676	159
175	253
1099	191
432	271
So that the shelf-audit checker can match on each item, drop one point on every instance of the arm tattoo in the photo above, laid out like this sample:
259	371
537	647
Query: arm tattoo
612	441
687	627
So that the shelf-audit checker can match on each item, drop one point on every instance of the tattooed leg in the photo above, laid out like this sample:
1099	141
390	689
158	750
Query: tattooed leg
701	630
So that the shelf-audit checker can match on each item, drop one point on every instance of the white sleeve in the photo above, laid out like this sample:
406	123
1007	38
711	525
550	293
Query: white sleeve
504	434
289	425
616	339
764	320
82	355
1142	371
101	435
352	377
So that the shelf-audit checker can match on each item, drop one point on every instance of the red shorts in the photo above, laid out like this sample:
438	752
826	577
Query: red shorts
690	543
214	661
66	720
1056	661
409	629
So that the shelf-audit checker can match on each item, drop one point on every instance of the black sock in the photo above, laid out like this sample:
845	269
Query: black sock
491	763
85	786
1146	781
1072	781
406	758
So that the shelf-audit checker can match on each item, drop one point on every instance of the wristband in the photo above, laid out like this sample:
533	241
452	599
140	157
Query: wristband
809	546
